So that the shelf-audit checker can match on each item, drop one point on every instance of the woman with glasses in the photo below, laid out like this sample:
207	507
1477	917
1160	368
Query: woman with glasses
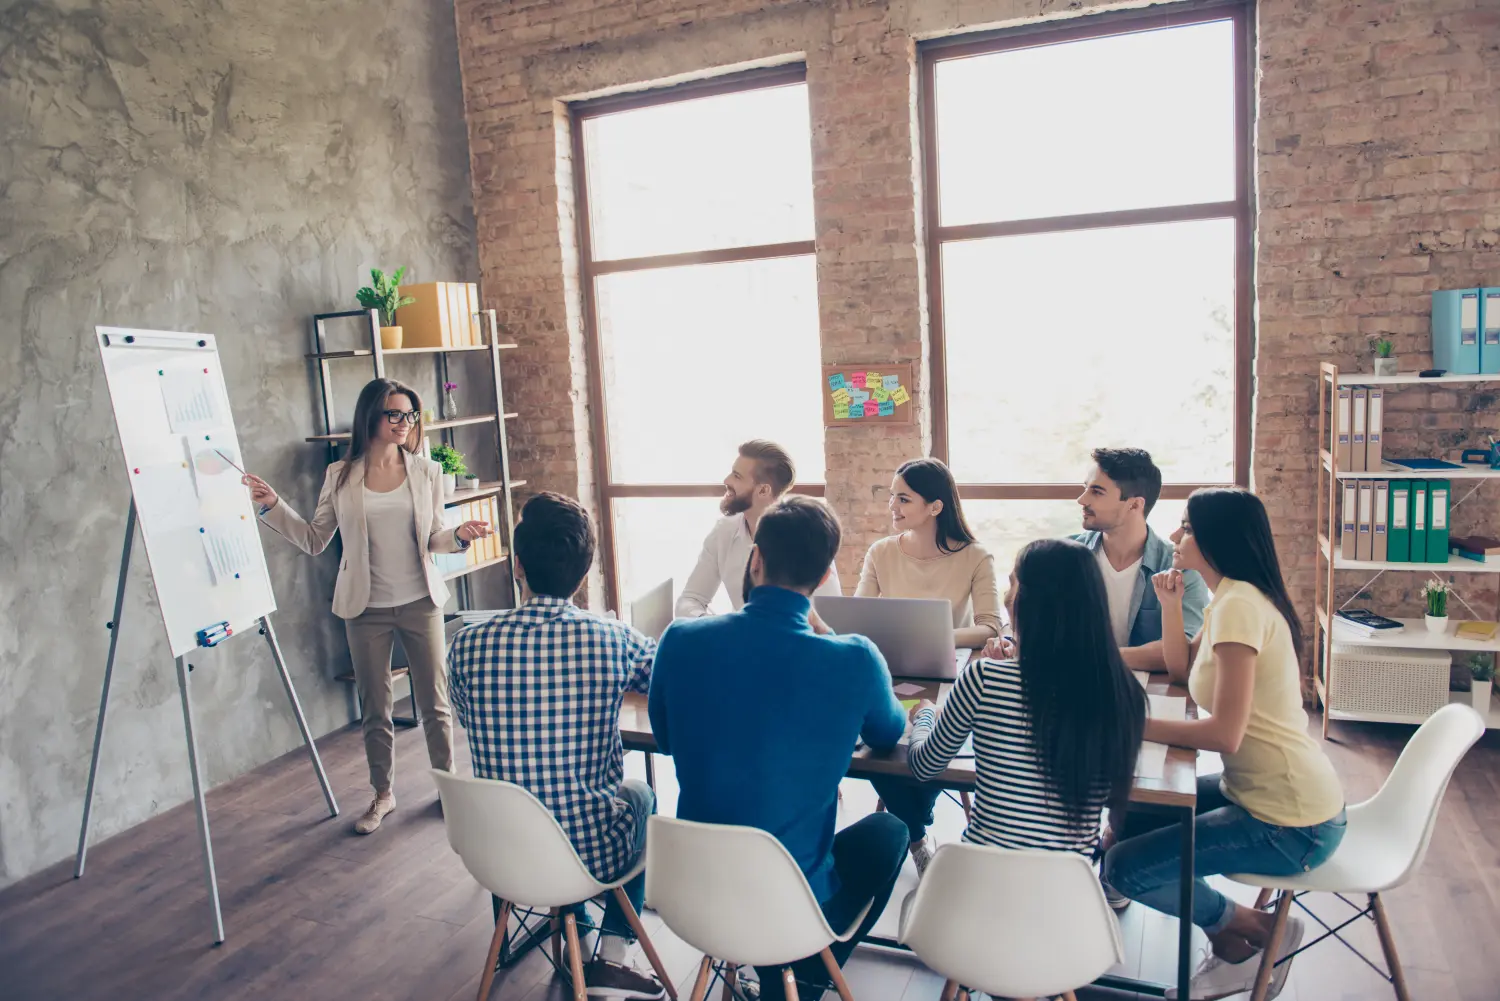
386	500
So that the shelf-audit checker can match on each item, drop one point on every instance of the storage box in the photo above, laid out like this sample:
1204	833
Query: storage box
1391	681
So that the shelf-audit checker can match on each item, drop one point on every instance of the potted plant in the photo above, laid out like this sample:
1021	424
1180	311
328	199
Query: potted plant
1435	593
1384	363
450	409
1482	667
384	293
469	481
452	461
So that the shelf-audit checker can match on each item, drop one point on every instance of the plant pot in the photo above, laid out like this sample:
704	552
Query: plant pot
390	338
1385	366
1436	623
469	483
1480	693
450	484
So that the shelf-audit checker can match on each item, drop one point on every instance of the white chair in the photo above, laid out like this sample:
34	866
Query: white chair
1011	923
1385	842
737	895
514	848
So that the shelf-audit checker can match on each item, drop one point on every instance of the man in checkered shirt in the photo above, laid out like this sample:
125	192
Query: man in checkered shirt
538	689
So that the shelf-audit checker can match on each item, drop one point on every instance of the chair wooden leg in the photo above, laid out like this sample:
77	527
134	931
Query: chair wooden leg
968	804
639	929
950	991
575	956
1263	898
1388	946
789	984
836	975
1069	996
700	986
731	980
487	979
1268	957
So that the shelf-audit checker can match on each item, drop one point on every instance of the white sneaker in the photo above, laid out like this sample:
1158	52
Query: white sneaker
1219	978
922	852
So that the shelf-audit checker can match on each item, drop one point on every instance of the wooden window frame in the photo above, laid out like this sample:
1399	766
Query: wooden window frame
1240	209
591	269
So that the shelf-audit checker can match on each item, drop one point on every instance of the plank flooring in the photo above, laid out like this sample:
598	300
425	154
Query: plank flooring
313	911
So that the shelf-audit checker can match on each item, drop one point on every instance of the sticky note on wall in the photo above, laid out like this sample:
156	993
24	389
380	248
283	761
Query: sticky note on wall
890	382
857	380
872	409
887	408
840	413
836	381
900	396
859	397
880	394
841	396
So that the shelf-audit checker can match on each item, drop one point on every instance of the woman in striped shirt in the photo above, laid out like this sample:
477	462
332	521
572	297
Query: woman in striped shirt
1056	730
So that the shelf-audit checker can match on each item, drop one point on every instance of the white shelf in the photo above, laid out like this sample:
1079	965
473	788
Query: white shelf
1390	471
1411	379
1416	637
1416	719
1457	564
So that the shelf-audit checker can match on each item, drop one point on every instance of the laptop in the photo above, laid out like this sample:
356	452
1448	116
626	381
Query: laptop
915	635
651	613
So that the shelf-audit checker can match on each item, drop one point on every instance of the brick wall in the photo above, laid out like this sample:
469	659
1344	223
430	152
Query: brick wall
1378	178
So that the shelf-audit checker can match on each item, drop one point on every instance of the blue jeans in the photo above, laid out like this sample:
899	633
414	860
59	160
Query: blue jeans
1145	865
909	801
643	801
867	855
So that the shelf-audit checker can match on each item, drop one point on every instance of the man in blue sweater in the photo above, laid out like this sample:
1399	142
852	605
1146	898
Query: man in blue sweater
761	713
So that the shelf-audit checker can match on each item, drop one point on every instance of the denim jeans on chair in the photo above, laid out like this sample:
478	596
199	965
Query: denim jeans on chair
643	802
867	855
1145	864
909	801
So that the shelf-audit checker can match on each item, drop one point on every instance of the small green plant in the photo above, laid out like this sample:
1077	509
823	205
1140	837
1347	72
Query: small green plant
1435	593
1382	346
451	459
384	293
1482	667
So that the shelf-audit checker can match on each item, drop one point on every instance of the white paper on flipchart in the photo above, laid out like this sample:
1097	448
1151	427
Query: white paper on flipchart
165	497
1152	763
906	688
228	550
192	400
1173	707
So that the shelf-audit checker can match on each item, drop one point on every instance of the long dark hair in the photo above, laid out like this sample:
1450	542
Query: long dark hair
1233	533
369	412
1087	712
933	482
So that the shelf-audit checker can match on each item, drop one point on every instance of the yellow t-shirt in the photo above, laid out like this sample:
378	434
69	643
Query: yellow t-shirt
1279	774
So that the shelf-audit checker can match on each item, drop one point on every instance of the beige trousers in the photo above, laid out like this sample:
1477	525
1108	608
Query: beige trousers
420	626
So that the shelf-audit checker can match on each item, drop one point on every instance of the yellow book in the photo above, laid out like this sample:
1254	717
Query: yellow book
1472	630
424	324
474	317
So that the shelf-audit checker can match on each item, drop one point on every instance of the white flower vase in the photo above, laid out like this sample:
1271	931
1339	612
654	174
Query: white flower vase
1481	695
450	483
1436	623
1385	366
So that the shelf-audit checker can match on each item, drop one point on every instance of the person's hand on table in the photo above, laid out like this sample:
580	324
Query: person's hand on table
921	704
818	625
1000	648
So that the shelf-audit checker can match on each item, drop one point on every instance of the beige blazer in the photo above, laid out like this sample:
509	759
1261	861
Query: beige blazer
343	511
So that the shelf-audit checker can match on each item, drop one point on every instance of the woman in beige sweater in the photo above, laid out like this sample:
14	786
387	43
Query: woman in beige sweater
933	554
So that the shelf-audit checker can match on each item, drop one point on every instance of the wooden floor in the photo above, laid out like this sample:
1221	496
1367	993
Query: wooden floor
313	911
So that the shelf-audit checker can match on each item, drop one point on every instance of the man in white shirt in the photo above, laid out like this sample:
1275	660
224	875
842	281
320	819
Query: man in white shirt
760	476
1119	493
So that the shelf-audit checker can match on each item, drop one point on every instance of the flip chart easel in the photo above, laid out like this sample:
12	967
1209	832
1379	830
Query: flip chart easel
198	527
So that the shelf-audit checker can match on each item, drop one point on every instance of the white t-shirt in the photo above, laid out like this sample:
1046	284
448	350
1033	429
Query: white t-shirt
396	575
722	563
1119	585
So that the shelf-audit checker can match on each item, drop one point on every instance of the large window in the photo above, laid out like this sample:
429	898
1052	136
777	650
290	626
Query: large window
696	232
1088	212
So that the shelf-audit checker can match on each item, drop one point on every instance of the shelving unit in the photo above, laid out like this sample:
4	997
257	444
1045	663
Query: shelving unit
495	419
1331	560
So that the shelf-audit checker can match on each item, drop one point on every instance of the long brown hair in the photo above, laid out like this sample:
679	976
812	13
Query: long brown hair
369	412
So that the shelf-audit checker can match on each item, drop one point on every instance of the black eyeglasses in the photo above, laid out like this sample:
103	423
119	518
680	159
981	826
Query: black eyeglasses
402	416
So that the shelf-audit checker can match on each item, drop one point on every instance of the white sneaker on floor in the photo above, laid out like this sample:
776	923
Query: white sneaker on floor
922	852
1218	978
1117	901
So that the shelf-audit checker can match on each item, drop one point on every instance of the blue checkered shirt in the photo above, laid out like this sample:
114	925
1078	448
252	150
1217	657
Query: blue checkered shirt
538	689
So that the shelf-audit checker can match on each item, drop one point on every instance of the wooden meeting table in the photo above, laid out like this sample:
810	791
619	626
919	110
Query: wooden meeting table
1175	792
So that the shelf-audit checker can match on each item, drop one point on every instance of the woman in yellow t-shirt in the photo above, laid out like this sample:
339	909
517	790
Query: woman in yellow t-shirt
1278	808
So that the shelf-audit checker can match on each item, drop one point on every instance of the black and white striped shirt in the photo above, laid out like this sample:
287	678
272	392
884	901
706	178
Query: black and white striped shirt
1014	808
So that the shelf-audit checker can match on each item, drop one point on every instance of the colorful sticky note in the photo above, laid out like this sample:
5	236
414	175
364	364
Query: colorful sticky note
836	381
890	382
900	396
879	394
907	704
887	408
840	413
855	413
858	397
841	396
872	409
857	380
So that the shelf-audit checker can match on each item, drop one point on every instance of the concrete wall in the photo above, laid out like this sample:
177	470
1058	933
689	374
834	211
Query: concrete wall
205	166
1377	171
